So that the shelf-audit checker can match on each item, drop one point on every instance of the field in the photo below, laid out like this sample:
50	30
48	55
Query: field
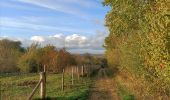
19	87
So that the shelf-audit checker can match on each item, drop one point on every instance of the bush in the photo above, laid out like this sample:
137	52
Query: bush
141	37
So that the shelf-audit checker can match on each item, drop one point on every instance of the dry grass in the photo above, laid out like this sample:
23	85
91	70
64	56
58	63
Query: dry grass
140	88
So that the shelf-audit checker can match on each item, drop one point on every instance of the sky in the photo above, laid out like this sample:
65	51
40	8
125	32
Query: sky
77	25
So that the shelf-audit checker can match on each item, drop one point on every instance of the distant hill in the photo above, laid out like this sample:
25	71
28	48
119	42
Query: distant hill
94	55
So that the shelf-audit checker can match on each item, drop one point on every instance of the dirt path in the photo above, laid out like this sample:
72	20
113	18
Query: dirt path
103	88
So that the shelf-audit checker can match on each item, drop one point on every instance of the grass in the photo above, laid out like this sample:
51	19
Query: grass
125	94
19	87
123	91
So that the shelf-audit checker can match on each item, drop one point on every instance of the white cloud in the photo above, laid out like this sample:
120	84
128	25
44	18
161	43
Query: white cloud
75	43
37	39
75	38
58	36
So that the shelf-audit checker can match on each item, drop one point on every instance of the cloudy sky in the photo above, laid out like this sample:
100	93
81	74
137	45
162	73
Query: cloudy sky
77	25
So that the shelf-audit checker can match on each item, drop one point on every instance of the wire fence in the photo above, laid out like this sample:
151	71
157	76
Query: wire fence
18	86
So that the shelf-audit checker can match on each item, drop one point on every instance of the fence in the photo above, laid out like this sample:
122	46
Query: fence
74	71
9	86
42	83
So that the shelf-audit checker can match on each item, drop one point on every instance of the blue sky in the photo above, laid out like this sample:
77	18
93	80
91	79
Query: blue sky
76	24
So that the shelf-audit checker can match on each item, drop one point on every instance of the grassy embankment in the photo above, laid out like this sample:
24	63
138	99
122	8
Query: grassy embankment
122	90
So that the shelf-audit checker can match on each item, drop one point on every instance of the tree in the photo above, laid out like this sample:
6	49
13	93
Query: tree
37	57
28	61
65	59
10	51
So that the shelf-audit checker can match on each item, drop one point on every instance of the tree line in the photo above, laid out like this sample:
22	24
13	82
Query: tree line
139	40
15	58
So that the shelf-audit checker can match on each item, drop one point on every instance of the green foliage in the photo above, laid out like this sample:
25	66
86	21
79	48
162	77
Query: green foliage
139	34
88	59
10	51
125	94
15	58
36	57
28	61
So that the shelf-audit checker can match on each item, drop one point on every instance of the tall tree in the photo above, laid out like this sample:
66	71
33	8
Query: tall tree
28	61
10	51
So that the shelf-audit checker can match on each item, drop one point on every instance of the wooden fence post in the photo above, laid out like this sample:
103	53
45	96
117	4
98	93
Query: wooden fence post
87	68
78	76
63	80
45	74
72	76
34	90
43	85
0	92
82	70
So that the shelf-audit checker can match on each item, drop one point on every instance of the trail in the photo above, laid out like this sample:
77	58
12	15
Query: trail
104	88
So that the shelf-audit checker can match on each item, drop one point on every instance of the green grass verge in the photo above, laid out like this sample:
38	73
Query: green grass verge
124	93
